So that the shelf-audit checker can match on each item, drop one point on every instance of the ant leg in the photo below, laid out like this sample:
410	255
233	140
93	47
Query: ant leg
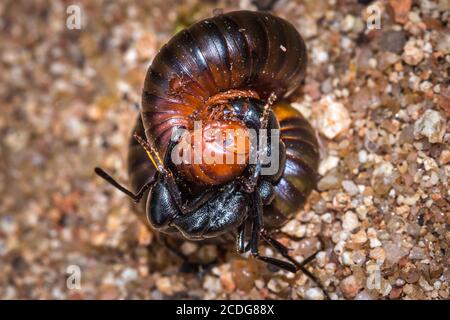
254	240
242	247
313	277
257	221
240	239
283	250
249	183
291	265
135	197
253	246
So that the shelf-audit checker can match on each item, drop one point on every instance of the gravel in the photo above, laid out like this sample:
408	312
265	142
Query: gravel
378	99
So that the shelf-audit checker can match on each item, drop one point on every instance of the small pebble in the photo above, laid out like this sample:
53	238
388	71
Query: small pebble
359	237
350	221
444	158
383	178
188	248
327	164
333	118
314	294
417	253
363	295
350	287
350	187
244	273
378	254
393	41
212	284
330	181
412	54
359	257
347	258
400	10
277	285
227	281
294	228
164	285
431	125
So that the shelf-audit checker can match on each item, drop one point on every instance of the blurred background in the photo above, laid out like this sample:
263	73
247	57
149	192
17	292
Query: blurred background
378	97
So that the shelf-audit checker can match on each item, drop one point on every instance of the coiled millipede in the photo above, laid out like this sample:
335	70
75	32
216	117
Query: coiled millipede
231	71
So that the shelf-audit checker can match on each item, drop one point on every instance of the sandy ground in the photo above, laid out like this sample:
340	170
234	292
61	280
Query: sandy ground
379	99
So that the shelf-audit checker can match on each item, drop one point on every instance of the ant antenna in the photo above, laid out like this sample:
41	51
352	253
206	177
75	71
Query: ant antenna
267	107
152	153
